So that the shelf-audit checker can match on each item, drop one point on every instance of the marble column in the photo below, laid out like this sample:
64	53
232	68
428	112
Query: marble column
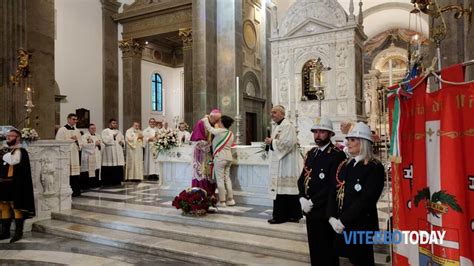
229	57
13	32
110	96
187	37
40	40
204	57
131	58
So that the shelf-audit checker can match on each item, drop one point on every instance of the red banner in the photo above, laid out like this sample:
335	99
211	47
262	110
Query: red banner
433	177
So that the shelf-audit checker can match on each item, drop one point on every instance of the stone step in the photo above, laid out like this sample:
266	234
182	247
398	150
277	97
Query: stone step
290	231
255	226
270	246
240	197
181	250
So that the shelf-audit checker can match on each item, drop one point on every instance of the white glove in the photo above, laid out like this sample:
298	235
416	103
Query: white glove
336	225
340	226
306	205
303	203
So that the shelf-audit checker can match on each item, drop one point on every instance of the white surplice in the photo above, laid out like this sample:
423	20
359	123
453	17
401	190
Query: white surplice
285	160
91	155
134	165
150	165
74	148
113	151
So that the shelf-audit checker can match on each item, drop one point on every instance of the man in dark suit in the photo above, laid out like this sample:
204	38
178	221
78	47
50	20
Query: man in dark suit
314	184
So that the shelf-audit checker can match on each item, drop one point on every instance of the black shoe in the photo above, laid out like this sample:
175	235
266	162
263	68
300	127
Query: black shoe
6	223
18	230
275	221
293	220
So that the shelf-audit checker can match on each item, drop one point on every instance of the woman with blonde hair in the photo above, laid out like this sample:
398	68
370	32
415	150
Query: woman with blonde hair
352	203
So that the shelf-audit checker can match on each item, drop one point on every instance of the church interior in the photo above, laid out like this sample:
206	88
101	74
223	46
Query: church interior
175	61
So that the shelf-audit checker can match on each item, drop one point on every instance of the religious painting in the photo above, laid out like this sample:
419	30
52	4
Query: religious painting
83	118
313	79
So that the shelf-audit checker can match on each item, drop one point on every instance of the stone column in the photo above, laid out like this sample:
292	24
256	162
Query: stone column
204	57
40	41
131	58
229	57
110	90
187	37
13	32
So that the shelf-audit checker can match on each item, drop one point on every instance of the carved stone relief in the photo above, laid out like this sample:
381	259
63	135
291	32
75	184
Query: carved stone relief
342	108
341	85
341	57
327	11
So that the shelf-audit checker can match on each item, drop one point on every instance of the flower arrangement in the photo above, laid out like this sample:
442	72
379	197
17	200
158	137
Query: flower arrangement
165	140
29	134
194	201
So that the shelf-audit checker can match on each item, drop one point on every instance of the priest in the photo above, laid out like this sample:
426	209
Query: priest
150	167
112	157
70	132
285	168
134	165
202	154
91	158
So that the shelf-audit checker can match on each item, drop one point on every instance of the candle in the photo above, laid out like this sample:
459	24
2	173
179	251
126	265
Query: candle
314	79
237	94
28	94
289	98
277	92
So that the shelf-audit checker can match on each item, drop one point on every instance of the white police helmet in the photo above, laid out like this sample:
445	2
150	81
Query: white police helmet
361	131
322	123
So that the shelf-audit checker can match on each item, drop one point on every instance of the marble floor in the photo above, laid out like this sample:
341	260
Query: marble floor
142	198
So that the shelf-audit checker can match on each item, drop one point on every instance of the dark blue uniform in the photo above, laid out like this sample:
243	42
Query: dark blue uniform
361	186
315	183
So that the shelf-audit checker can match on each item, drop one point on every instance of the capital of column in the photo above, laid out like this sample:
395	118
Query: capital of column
131	47
186	35
110	5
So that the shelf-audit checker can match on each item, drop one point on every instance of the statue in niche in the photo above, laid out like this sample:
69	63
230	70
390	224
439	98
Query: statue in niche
313	79
368	102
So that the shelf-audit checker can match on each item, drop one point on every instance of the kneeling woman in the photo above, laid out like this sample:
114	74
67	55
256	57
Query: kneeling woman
353	201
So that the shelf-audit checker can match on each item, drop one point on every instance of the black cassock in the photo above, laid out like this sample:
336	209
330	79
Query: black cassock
363	184
20	189
316	186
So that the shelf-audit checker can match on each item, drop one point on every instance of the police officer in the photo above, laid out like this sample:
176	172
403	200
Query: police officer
353	201
314	185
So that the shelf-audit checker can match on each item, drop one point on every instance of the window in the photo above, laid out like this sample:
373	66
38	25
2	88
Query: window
156	93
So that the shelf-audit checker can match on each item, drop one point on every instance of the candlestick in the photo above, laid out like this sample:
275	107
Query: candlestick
237	95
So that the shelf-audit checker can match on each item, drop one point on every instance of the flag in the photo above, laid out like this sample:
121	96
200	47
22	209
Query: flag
432	141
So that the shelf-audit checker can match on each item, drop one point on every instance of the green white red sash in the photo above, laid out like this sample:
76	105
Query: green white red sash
221	144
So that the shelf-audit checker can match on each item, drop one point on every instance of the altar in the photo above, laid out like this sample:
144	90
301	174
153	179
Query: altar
249	173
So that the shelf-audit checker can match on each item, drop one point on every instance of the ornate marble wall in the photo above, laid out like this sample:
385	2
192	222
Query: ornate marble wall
314	29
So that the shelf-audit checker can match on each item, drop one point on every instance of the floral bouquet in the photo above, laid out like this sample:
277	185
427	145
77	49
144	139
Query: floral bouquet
164	141
194	201
29	134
